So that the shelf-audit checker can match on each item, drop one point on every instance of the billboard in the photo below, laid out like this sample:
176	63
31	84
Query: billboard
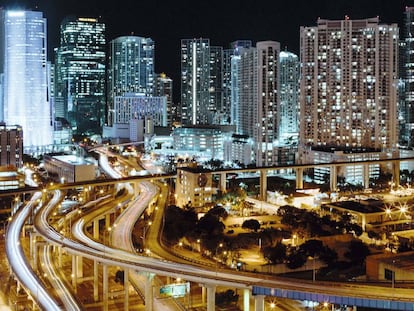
175	290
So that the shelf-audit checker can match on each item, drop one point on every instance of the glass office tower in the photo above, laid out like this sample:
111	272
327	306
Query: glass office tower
23	75
131	69
80	75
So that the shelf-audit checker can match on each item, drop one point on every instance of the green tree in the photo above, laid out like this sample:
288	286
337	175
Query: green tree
295	259
226	298
357	252
252	224
312	248
276	254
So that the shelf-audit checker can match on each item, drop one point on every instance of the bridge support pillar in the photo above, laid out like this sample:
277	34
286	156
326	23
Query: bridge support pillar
223	181
60	257
211	297
126	288
95	281
107	221
263	185
74	274
246	299
396	173
148	292
105	293
79	266
333	180
259	303
299	178
95	229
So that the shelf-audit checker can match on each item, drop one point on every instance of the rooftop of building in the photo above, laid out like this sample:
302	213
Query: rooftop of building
71	159
344	149
369	206
403	260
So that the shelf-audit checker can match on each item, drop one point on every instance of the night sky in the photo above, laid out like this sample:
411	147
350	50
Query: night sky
222	21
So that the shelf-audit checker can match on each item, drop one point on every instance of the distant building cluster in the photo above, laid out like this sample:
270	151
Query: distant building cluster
350	89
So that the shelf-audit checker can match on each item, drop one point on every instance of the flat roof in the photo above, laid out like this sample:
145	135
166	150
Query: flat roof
71	159
364	206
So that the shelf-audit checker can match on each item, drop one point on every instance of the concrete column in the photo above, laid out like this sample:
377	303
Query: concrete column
95	229
148	292
105	287
333	178
203	294
263	185
126	288
396	173
107	221
365	176
60	257
211	297
246	299
299	178
259	302
79	266
74	274
223	186
95	281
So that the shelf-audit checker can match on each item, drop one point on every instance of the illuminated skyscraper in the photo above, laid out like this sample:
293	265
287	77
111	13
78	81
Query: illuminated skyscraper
348	100
164	87
231	59
259	98
23	75
407	79
349	85
131	69
218	113
289	96
80	74
195	81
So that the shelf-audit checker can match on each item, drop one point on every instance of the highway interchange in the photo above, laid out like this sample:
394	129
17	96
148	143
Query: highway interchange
137	196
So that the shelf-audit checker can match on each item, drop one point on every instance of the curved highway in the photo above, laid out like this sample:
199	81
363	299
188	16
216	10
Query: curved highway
17	259
89	248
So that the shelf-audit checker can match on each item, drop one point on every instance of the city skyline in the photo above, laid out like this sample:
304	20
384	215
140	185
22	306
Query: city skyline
173	21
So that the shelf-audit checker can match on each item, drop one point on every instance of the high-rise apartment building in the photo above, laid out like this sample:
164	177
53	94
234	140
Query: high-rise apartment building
202	83
163	86
11	144
406	110
23	75
131	69
218	111
259	98
80	74
195	81
348	85
289	97
231	58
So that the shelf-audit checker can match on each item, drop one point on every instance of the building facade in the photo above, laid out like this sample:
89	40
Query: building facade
131	69
231	58
289	97
406	112
132	106
70	168
164	87
23	75
11	145
348	85
80	74
202	142
194	187
259	99
195	81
